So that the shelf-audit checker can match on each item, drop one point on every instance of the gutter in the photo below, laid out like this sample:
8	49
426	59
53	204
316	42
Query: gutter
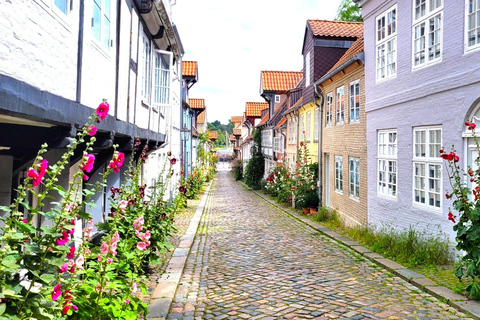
81	22
319	96
360	56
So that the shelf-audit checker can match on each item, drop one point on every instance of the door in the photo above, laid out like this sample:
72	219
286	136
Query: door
327	180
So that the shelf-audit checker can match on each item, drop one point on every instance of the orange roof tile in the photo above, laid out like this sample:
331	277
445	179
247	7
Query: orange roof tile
280	81
237	119
237	132
328	28
254	109
264	119
247	139
197	103
189	68
284	119
232	138
294	106
201	117
213	135
354	49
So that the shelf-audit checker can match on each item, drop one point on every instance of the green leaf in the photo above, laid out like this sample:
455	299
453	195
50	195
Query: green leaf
3	307
6	209
32	247
84	215
47	277
25	227
10	262
459	272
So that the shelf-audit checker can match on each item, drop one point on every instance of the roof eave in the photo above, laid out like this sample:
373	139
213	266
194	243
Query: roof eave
360	56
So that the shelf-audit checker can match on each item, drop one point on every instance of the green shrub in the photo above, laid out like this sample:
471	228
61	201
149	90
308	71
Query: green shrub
256	165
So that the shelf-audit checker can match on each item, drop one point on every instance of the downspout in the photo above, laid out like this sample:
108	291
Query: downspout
117	63
319	96
80	50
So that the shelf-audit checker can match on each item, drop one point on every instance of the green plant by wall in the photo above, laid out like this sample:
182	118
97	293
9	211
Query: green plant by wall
255	168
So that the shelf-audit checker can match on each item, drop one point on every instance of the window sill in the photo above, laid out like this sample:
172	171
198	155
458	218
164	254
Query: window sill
386	197
356	199
427	208
338	191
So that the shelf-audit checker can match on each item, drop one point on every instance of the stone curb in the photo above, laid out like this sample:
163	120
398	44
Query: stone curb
457	301
162	297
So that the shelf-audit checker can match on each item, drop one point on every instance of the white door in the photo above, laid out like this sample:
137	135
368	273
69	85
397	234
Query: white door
327	180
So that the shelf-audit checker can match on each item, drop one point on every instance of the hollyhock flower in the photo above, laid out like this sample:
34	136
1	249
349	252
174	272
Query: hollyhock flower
470	126
85	177
71	254
169	153
137	142
450	217
127	301
116	237
99	258
113	248
88	252
122	206
142	246
109	260
134	287
92	130
79	262
470	172
447	196
66	308
88	161
56	292
25	220
146	236
104	248
173	161
102	110
182	189
63	268
74	307
64	239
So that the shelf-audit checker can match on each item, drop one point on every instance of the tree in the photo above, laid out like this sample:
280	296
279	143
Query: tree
256	165
349	11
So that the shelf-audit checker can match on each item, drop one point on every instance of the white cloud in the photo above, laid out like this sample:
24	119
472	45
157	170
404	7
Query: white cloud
234	40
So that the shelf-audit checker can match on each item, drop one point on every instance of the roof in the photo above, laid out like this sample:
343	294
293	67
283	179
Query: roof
201	117
326	28
237	132
280	81
264	119
294	106
232	138
189	68
247	139
197	104
237	119
254	109
284	119
213	135
354	49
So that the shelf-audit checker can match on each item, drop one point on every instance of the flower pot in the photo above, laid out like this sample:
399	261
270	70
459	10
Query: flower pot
313	210
306	211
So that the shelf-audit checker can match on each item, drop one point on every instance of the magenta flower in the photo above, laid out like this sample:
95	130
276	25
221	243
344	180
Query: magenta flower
109	260
127	301
63	268
117	161
56	292
92	130
71	254
104	248
85	177
173	161
64	239
102	110
25	220
88	161
142	246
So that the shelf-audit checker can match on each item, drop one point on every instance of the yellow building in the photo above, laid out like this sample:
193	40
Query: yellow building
308	129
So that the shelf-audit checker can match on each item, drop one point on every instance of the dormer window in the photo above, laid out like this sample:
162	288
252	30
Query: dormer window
277	98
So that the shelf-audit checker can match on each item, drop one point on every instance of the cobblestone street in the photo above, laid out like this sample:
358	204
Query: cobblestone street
250	260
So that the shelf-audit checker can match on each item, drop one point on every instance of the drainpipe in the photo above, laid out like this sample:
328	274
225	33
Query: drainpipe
319	104
80	50
117	62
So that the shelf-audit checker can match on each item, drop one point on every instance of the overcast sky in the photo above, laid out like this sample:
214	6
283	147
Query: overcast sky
232	41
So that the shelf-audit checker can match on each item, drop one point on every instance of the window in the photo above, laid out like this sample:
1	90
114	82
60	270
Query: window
316	122
427	167
302	127
472	18
146	68
387	163
340	106
309	124
386	44
277	98
294	130
101	22
427	32
354	178
61	5
355	101
278	144
307	69
339	174
328	110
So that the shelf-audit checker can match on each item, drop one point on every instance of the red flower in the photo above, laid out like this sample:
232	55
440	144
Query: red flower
450	217
102	110
37	177
470	126
470	172
447	196
173	161
71	254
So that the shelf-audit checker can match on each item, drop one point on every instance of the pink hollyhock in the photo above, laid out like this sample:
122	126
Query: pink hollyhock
117	161
113	248
56	292
102	110
92	130
31	173
109	260
142	246
127	301
88	252
134	287
88	161
85	177
116	237
25	220
64	239
74	307
71	254
173	161
99	258
104	248
79	262
63	268
122	206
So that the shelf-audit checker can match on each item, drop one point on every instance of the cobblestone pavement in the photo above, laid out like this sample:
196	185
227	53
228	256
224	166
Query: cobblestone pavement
252	261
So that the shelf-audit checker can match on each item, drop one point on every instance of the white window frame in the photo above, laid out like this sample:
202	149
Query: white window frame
307	69
339	174
354	101
54	11
476	46
295	130
309	125
340	106
426	157
421	43
105	15
387	165
302	127
329	110
278	144
386	44
277	98
354	184
316	124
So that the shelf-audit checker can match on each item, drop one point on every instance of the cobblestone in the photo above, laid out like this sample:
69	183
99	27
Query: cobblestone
250	260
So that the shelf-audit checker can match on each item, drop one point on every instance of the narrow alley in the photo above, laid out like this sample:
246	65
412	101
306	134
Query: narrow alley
250	260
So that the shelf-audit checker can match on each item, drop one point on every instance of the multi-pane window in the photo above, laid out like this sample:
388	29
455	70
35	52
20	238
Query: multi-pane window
427	167
340	108
309	124
473	24
61	5
294	130
339	173
354	178
101	22
427	32
146	68
302	127
328	109
386	44
387	163
316	121
277	98
355	101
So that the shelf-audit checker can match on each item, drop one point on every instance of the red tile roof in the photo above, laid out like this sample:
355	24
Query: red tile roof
354	49
280	81
201	117
326	28
284	119
196	103
213	135
264	120
189	68
294	106
254	109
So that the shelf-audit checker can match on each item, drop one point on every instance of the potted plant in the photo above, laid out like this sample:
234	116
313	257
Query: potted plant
301	202
312	201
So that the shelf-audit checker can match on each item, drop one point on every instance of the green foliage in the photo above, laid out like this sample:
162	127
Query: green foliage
349	11
224	131
329	217
279	184
305	173
237	169
256	165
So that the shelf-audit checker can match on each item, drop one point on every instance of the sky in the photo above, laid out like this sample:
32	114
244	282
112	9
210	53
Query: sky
233	41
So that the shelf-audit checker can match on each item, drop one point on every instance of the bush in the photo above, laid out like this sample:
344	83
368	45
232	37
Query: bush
237	169
255	168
